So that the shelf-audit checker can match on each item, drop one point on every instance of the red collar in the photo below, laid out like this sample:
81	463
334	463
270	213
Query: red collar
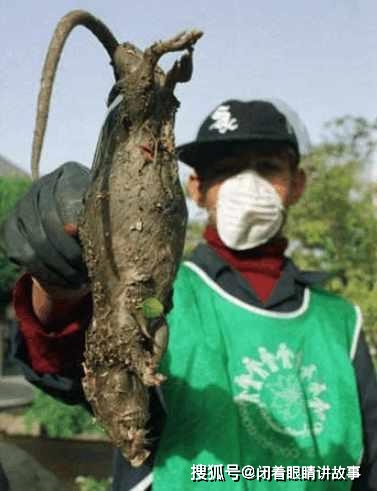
260	266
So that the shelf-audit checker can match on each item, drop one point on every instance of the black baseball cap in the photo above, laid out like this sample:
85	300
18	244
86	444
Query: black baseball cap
238	122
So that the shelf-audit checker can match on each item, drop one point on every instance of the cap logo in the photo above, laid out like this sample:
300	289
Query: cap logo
223	120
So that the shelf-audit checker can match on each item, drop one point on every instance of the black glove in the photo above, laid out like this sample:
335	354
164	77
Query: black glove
34	235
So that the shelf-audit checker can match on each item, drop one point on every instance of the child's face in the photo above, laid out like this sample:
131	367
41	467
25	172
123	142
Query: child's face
277	167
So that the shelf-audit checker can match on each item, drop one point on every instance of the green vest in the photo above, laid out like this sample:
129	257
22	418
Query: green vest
253	387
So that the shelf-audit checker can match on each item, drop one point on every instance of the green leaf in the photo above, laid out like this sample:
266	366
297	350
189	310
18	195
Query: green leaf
152	308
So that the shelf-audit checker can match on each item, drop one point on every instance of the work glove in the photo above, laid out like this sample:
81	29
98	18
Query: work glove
40	234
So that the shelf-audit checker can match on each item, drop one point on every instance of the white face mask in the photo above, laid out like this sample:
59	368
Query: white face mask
249	211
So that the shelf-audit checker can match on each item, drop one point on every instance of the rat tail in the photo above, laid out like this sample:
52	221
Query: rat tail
62	31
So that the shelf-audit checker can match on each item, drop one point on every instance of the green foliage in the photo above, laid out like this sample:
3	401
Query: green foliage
193	236
85	483
351	136
334	226
60	420
8	275
11	190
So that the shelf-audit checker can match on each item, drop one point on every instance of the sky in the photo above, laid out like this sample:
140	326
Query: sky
319	57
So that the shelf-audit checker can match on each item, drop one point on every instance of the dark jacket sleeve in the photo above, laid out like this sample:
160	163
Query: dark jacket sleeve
66	388
367	388
52	361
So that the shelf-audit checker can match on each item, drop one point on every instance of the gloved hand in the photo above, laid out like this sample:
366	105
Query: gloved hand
39	235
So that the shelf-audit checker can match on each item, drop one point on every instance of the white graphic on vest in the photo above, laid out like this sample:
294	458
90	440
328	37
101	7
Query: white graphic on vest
290	396
285	356
223	120
307	372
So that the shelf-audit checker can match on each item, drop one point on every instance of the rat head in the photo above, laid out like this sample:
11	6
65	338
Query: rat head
138	81
143	84
127	59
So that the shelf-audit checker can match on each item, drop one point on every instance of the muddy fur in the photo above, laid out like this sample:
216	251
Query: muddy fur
132	228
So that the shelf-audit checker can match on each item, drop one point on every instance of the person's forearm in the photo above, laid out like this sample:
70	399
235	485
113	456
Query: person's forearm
51	330
55	307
